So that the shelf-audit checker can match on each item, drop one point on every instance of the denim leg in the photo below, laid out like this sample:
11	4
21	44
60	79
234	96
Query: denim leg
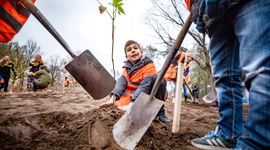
224	55
185	90
252	28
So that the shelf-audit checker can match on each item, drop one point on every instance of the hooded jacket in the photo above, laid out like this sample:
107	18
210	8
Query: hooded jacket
134	80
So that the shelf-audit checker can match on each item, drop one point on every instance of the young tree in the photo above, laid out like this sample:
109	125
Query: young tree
56	69
116	9
21	57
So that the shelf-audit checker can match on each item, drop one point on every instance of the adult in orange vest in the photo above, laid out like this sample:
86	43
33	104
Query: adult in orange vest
13	16
6	66
171	73
138	76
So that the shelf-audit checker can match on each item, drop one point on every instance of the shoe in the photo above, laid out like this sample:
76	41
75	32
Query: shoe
213	142
164	119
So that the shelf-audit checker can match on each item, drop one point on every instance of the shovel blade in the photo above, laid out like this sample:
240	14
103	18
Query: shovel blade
91	75
210	97
130	128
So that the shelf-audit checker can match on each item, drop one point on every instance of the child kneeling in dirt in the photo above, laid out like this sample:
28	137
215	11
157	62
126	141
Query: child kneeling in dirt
42	78
138	76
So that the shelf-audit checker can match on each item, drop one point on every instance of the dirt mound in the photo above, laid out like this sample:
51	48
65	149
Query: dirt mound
51	129
59	130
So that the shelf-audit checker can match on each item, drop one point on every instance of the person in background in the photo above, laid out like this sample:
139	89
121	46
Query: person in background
6	67
239	33
66	82
195	91
41	79
34	67
171	74
139	75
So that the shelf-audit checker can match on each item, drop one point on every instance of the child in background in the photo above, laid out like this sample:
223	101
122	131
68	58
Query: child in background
66	82
41	79
171	74
35	66
138	76
6	66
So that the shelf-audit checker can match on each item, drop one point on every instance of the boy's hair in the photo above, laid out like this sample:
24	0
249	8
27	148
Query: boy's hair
129	42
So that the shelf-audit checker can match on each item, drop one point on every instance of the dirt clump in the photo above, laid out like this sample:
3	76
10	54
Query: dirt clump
61	129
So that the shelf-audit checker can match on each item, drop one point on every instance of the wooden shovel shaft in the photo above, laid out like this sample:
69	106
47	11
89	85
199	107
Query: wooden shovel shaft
177	104
171	55
34	10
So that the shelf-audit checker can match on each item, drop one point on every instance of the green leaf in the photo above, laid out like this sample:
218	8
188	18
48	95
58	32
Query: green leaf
121	11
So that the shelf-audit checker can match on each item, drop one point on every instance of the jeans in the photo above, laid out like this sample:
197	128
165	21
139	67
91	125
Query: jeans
241	40
185	90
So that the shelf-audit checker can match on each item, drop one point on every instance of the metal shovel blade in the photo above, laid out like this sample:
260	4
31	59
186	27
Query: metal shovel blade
130	128
210	97
91	75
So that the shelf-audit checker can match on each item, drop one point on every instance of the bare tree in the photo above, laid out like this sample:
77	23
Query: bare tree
21	57
56	68
165	19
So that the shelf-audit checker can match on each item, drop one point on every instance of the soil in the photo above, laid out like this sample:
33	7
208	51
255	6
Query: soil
69	119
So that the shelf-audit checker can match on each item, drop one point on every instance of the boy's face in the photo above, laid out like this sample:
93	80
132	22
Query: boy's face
133	53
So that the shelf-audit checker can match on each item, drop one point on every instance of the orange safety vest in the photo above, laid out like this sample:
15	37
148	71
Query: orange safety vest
66	82
188	4
134	81
171	73
13	15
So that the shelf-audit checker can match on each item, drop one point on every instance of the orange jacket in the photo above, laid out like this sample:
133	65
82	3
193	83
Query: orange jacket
134	81
13	15
171	73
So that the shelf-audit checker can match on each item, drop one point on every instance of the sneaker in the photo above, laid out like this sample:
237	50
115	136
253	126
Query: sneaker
213	142
164	119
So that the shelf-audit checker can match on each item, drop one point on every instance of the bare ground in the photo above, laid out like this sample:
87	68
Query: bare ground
69	119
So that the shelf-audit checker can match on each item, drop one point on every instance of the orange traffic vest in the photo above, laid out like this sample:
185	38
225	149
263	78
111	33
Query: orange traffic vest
171	73
66	83
134	81
13	15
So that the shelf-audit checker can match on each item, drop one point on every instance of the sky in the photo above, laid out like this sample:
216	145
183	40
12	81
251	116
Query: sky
83	27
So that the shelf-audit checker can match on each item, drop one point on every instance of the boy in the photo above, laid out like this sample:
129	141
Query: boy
138	76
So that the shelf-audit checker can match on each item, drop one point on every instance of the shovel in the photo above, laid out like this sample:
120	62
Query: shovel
130	128
85	68
189	90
